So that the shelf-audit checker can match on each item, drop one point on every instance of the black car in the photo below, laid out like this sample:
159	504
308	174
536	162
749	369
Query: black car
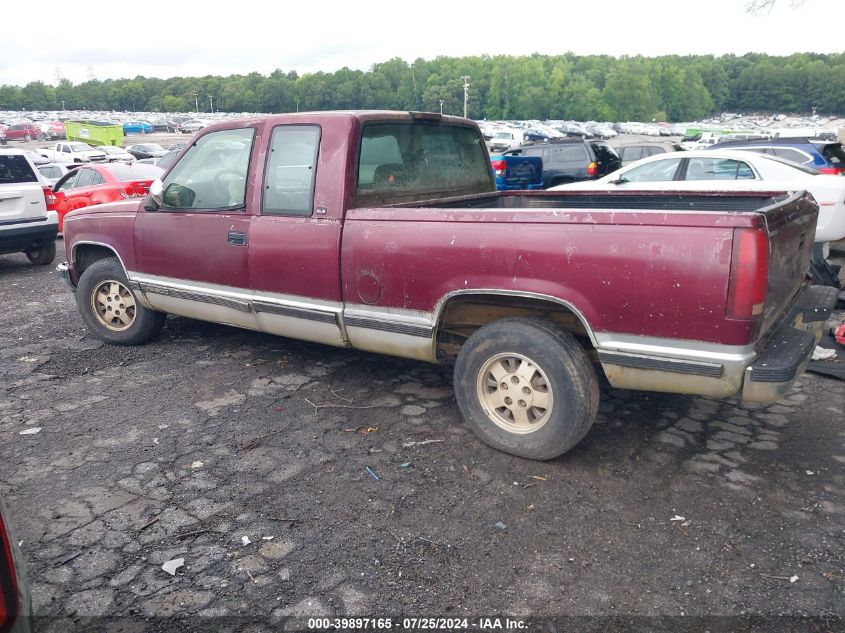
571	159
146	150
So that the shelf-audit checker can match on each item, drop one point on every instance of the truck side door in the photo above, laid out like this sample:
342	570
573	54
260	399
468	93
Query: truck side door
192	252
294	251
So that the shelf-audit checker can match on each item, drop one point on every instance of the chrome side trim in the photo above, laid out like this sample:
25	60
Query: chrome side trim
666	348
295	312
638	361
423	331
226	302
441	304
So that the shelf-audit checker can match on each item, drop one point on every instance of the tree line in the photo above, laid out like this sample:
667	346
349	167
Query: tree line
587	87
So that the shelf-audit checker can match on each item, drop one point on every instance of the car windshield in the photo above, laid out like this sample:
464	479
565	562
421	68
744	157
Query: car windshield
152	148
109	149
502	135
79	147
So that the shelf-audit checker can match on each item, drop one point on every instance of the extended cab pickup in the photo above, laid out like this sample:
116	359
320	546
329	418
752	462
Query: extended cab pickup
383	232
72	152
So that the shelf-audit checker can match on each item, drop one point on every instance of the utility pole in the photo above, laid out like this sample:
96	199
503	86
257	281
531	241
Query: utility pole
63	105
466	92
211	103
197	102
441	106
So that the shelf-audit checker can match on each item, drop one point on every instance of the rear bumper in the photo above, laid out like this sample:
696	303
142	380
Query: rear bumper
790	348
760	374
20	239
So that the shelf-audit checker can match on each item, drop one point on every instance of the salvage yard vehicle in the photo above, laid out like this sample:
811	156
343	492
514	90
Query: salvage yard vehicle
146	150
517	172
97	184
571	159
28	220
72	152
384	232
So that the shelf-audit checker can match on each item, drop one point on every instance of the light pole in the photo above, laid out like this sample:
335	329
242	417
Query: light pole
441	106
211	103
63	105
466	92
196	102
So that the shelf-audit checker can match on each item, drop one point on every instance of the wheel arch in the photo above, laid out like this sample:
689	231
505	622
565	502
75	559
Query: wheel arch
460	313
85	253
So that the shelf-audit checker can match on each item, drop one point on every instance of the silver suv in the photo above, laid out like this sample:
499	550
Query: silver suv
28	219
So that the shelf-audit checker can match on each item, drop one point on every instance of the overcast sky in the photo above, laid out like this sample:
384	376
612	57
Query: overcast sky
165	39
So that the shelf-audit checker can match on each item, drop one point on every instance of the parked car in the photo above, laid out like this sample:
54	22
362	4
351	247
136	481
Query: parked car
15	601
176	146
506	139
146	150
137	127
28	219
72	152
344	233
23	132
53	172
51	130
731	170
829	158
96	184
571	159
631	153
191	126
115	154
517	172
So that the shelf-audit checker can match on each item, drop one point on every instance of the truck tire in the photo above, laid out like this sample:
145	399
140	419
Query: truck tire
526	387
42	255
110	309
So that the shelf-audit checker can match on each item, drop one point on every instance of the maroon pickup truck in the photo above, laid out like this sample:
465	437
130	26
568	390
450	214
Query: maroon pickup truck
383	232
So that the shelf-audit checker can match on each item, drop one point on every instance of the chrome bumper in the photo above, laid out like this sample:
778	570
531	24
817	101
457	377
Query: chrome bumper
63	271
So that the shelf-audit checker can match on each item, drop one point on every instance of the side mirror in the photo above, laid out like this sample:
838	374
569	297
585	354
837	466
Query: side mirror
155	200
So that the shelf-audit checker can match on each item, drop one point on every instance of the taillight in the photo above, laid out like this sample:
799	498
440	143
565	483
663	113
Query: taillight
499	166
49	198
9	601
137	189
592	169
836	171
749	274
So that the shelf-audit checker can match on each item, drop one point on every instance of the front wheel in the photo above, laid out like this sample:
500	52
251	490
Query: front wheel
110	309
526	387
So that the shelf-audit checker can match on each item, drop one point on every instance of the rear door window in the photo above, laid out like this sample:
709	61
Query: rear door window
792	154
574	153
14	168
410	161
718	169
291	168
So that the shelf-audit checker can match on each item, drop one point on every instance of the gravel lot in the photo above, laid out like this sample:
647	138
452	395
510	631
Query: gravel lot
248	455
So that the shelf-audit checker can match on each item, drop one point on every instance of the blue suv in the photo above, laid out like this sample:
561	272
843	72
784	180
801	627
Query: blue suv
827	157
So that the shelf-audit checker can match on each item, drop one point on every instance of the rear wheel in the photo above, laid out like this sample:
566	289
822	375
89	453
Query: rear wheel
110	309
42	255
526	387
27	137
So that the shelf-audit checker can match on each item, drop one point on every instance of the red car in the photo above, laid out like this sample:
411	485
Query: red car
23	132
96	184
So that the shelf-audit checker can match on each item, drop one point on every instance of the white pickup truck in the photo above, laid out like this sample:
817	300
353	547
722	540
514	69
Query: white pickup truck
72	152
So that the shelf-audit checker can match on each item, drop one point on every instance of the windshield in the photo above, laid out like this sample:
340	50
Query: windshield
80	147
502	135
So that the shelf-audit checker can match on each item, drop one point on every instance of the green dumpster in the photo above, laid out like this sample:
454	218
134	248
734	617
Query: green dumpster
95	132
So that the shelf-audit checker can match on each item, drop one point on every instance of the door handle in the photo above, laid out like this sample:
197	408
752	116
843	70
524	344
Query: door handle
237	238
